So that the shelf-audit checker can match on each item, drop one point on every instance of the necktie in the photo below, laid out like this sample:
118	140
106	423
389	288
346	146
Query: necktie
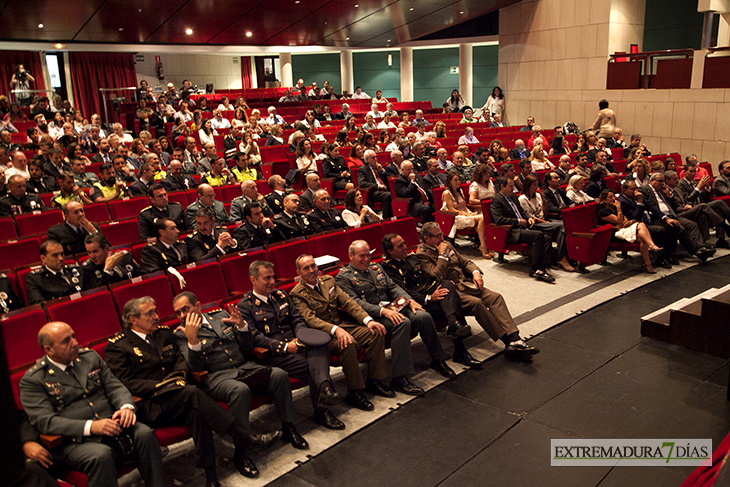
514	207
179	257
420	189
151	341
559	197
71	370
316	288
377	178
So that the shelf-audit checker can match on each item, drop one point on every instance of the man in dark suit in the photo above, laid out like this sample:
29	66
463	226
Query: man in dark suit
519	152
721	185
73	230
146	177
104	154
146	359
505	211
693	198
563	169
176	180
72	393
393	169
372	178
161	207
291	222
323	217
102	268
54	279
209	240
555	198
408	184
166	251
39	181
275	199
306	199
256	230
434	178
56	165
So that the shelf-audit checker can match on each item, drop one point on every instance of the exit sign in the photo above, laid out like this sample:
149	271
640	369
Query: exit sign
139	58
454	70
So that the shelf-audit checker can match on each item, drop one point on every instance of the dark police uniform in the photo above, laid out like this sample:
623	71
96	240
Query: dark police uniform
292	227
249	236
239	203
95	275
61	402
142	368
156	256
12	206
202	247
218	209
186	182
71	240
371	287
46	184
148	216
9	301
43	285
139	188
277	323
275	200
222	353
331	220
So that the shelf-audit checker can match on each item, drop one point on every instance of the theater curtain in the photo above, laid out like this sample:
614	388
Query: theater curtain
91	71
246	72
32	62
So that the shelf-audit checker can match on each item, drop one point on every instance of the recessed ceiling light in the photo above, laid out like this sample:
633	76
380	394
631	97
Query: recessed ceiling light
188	31
139	10
347	38
356	5
249	34
388	40
297	1
461	13
412	9
121	29
40	26
59	46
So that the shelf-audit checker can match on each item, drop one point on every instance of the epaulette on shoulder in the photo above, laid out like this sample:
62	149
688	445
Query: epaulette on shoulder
87	263
411	253
145	209
163	327
150	244
40	365
37	271
119	335
85	350
281	293
214	310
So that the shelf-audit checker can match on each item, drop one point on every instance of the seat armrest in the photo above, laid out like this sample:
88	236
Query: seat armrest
50	441
260	352
201	376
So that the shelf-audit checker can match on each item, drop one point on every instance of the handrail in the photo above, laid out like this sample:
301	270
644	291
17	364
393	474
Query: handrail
648	56
718	48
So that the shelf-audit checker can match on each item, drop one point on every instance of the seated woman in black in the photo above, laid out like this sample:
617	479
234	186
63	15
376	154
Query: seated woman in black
334	167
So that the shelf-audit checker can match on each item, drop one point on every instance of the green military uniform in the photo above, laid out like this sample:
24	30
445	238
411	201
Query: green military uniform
219	210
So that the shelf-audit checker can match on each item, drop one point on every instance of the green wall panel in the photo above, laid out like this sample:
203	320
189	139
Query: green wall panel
317	67
372	73
484	73
672	24
431	77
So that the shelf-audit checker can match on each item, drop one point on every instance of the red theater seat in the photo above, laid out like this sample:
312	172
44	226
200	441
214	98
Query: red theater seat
405	227
97	213
496	235
7	229
35	223
178	197
372	233
16	253
92	316
333	243
129	208
155	285
121	232
204	279
20	331
235	269
283	254
586	241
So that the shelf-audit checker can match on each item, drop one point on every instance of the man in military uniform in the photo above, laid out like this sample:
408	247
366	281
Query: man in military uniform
39	181
166	251
124	165
54	279
72	393
250	195
275	199
219	174
291	222
439	259
146	359
107	188
145	177
9	301
209	241
17	201
318	300
376	293
206	199
218	342
72	232
102	268
69	192
257	230
176	180
271	312
323	217
437	296
82	178
161	207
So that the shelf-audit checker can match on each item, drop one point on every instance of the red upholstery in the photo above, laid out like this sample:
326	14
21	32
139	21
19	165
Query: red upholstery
372	234
96	304
155	285
274	153
288	286
405	227
16	253
204	279
7	229
334	243
235	269
282	254
121	209
586	242
98	212
121	232
20	328
178	197
230	191
496	235
400	205
35	223
20	276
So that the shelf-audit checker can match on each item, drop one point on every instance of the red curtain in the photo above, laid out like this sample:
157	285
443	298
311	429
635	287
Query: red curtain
91	71
246	72
32	63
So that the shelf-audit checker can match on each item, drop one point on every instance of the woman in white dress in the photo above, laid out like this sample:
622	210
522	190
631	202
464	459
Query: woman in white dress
206	133
355	213
575	190
481	187
454	202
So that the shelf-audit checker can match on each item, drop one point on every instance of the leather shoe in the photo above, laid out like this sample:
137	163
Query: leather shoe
328	396
325	418
665	263
443	369
260	442
673	260
520	350
402	384
458	330
541	275
358	400
245	465
704	253
379	389
290	434
465	358
722	244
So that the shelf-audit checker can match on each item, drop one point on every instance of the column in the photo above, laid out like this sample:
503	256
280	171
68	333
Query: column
347	79
406	74
287	79
465	73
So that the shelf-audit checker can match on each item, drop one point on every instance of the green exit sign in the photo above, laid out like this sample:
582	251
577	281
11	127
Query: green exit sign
454	70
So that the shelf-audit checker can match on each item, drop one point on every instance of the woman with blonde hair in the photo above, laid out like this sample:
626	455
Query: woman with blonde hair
539	161
574	191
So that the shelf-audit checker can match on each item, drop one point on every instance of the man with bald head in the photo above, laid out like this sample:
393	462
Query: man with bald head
323	217
250	195
71	392
306	199
291	222
275	199
411	185
372	178
71	232
206	199
176	180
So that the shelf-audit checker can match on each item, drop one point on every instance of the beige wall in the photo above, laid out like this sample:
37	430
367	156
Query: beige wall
552	65
200	69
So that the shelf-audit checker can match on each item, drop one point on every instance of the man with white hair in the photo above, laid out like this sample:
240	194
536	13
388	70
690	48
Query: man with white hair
123	138
218	121
250	195
372	177
345	113
411	185
273	118
393	169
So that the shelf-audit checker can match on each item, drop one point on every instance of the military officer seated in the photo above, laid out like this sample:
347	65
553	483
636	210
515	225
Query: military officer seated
206	199
17	201
250	195
322	216
176	180
72	393
278	326
39	181
146	359
54	279
219	343
376	293
291	222
161	207
439	259
103	267
318	300
72	232
167	251
275	199
257	230
209	241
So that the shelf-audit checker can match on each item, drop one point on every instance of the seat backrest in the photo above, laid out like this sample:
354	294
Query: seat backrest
437	198
120	209
20	332
92	316
487	211
283	256
230	191
235	269
578	219
405	227
155	285
178	197
372	234
98	212
204	279
40	222
334	243
7	229
121	232
16	253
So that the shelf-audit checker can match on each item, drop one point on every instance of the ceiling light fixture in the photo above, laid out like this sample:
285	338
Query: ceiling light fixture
356	5
388	40
412	9
347	38
59	45
40	26
461	13
249	34
188	31
121	29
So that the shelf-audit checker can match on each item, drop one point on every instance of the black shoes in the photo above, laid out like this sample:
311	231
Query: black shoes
325	418
672	260
520	350
402	384
722	244
358	400
541	275
328	396
465	358
703	253
289	434
458	330
377	388
443	369
245	465
261	442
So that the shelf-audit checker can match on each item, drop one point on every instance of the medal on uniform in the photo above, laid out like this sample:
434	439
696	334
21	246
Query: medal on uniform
257	302
75	280
98	274
137	351
276	202
267	329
